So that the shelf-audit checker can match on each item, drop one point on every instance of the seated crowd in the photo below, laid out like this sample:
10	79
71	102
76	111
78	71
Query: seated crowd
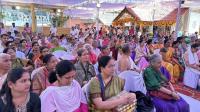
84	72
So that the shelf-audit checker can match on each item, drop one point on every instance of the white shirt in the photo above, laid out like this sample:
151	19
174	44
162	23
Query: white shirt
97	51
73	32
20	55
53	30
12	29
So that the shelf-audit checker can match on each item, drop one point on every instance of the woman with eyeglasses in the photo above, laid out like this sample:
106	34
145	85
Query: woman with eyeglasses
68	95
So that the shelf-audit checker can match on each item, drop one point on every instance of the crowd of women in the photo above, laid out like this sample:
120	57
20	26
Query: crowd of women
100	66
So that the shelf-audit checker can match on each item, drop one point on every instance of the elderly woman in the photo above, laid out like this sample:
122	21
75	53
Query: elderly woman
164	96
18	62
56	45
92	55
113	86
85	70
40	75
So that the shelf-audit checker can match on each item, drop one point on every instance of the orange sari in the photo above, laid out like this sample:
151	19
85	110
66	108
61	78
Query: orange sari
176	68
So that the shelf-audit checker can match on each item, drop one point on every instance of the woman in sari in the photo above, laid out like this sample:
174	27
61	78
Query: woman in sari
40	75
18	62
105	51
56	45
157	81
192	71
35	52
142	54
38	62
178	58
15	95
84	69
113	86
92	55
169	58
159	45
150	46
27	29
24	47
166	64
68	95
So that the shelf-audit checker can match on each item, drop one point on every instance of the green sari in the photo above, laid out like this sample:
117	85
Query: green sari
154	79
113	88
57	49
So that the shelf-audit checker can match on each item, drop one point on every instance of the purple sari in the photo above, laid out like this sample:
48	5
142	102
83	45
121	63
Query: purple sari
170	105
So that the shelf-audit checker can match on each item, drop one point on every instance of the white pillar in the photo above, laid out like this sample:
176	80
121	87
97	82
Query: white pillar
178	17
97	17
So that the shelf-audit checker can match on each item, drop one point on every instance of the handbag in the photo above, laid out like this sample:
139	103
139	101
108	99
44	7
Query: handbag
119	108
144	102
161	94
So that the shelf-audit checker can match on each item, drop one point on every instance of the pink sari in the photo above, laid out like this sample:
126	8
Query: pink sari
141	61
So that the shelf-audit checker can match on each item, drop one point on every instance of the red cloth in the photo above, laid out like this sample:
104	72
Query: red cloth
83	108
93	58
131	31
105	42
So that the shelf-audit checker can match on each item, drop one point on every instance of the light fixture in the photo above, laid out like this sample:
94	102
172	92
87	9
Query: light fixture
18	7
98	5
58	10
58	14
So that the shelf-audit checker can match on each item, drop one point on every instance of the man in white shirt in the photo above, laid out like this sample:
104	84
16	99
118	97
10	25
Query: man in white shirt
5	66
72	32
53	30
76	32
13	29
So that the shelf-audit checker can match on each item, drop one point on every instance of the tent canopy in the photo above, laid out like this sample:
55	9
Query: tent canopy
111	8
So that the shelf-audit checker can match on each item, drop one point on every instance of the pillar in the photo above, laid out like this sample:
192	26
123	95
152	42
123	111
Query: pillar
178	19
33	17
